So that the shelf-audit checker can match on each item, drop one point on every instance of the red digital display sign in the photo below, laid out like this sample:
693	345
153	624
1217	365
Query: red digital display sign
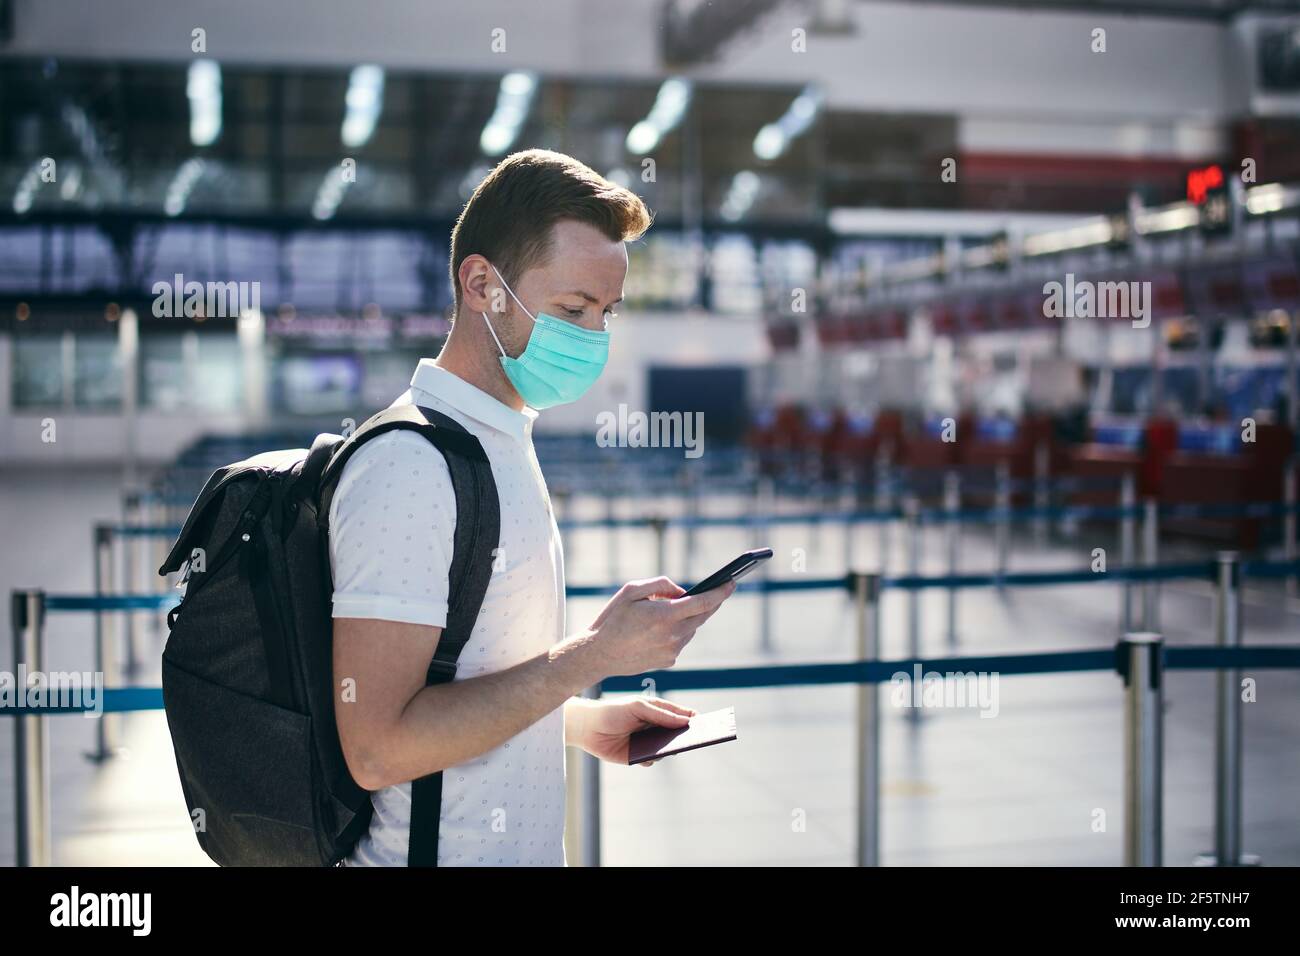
1201	182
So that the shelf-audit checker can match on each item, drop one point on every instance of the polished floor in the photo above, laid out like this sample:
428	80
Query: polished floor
1039	784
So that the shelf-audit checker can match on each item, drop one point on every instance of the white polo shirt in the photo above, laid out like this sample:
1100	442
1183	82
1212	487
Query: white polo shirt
392	523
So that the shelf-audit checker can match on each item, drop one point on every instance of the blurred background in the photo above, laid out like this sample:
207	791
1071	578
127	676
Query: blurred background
860	209
857	203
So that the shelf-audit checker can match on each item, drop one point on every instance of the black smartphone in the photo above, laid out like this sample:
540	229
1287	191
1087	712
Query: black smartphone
732	572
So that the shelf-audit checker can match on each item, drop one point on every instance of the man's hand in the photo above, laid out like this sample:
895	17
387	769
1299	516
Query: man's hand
648	623
601	728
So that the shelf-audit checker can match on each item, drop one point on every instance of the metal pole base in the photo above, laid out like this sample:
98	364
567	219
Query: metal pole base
105	755
1209	859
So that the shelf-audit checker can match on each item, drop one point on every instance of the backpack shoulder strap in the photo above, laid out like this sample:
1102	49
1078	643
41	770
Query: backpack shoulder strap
445	433
478	528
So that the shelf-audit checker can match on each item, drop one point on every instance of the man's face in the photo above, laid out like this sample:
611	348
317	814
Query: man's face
581	282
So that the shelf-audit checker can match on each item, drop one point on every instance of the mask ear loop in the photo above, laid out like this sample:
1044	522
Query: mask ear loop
517	302
512	294
489	322
494	334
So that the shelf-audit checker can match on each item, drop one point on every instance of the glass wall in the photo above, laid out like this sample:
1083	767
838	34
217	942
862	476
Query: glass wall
66	370
97	371
190	371
38	371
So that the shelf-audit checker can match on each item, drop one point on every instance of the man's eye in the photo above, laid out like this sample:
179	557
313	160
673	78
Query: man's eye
573	313
610	314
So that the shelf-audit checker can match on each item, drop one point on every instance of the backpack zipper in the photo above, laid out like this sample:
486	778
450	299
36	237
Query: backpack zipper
242	534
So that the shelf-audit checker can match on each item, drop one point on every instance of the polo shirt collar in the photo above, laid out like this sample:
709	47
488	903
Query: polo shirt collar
473	401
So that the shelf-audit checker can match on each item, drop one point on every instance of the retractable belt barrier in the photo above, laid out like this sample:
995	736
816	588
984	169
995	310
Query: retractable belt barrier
1267	509
1139	658
119	700
1132	657
1166	572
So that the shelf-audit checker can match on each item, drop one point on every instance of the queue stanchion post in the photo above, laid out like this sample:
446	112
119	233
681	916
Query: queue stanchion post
767	501
1150	558
573	758
814	519
912	523
884	503
1002	528
1289	496
1127	546
866	593
611	532
1042	490
129	546
660	525
1227	764
31	746
691	493
1227	748
590	829
106	660
157	548
849	505
952	535
1140	656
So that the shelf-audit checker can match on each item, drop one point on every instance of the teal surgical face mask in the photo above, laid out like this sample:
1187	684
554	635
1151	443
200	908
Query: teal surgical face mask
560	363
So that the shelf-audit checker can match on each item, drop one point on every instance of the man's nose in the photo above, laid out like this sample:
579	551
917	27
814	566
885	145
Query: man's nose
594	322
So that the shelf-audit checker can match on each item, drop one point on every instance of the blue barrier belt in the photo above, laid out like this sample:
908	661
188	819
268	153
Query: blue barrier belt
1231	658
986	515
859	672
1263	509
1166	572
940	515
1202	570
116	700
147	531
109	602
1256	509
1270	569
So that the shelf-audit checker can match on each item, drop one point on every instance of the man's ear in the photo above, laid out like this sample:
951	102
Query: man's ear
475	289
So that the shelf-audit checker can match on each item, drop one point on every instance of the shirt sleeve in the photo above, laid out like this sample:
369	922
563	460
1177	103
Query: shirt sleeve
392	524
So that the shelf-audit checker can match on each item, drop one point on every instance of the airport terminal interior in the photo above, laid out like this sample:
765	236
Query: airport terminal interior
981	315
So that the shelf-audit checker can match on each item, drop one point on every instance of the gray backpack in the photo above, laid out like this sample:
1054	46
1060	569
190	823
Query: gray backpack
247	671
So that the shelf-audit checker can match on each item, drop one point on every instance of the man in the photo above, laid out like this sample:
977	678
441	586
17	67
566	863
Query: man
537	264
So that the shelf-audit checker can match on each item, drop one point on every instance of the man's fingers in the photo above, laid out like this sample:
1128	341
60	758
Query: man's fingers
652	587
649	711
669	705
684	607
700	619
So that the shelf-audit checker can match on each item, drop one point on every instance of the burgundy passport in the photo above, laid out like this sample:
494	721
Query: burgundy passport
704	730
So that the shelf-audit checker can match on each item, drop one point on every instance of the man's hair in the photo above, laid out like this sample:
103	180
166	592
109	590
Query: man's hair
509	218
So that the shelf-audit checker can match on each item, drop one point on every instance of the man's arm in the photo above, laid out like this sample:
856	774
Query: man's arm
396	729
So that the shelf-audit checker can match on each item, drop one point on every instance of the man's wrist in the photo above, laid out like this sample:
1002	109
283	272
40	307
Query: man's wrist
576	710
578	659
